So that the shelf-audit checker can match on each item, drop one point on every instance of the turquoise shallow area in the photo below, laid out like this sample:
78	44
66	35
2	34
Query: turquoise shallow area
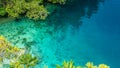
89	32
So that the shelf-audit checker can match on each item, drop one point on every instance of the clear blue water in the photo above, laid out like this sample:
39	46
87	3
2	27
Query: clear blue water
86	32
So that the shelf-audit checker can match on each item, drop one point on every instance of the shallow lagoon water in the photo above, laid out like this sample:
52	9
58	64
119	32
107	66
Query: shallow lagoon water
71	35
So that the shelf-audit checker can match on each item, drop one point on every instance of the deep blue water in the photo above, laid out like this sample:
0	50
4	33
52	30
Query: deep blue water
104	31
101	31
83	31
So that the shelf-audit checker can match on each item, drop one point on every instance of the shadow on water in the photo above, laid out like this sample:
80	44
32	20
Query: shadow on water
72	13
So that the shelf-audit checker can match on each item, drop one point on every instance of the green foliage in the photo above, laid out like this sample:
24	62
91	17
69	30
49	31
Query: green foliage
28	60
3	44
33	9
70	64
66	64
14	54
91	65
16	65
36	11
15	8
25	60
8	51
2	11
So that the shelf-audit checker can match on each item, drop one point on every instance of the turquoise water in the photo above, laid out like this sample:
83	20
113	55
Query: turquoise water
83	31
